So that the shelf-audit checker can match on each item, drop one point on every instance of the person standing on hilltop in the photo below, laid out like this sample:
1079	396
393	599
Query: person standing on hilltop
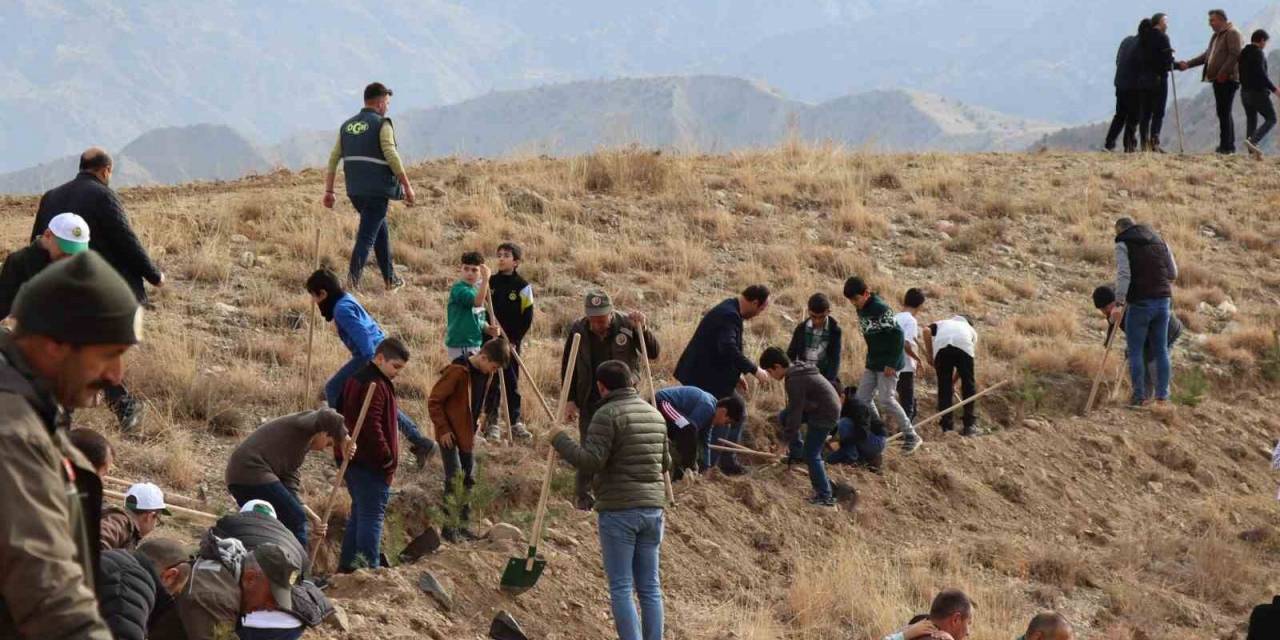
714	362
76	320
1127	105
1159	58
606	335
375	175
1145	272
1255	93
1221	67
89	196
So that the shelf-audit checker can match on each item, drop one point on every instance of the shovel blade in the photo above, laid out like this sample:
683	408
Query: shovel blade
516	579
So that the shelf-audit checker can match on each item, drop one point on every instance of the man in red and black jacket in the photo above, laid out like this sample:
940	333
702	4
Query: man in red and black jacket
377	455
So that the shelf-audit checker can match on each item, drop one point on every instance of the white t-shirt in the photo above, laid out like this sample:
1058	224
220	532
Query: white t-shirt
910	333
955	332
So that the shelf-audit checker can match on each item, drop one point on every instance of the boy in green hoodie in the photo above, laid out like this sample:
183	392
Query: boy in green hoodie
886	358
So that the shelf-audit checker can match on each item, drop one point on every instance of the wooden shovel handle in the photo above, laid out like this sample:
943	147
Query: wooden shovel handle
536	535
182	511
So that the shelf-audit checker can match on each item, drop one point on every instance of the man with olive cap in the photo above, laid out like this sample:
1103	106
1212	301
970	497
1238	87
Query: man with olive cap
606	335
75	321
231	586
66	235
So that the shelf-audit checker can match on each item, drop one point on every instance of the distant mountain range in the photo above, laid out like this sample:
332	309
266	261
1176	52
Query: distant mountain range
695	114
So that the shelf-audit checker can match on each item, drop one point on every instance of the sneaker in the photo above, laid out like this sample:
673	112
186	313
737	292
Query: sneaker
129	412
492	432
422	455
827	502
1253	149
910	443
521	431
395	283
970	430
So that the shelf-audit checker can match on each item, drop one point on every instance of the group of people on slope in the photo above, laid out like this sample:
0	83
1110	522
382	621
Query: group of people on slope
1143	63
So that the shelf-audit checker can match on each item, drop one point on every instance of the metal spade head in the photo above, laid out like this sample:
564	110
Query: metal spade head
519	578
427	542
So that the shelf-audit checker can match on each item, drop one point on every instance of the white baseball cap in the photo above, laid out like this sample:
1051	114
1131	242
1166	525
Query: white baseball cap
259	506
143	497
71	231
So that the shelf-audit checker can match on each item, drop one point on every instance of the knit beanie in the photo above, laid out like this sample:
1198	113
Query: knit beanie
79	300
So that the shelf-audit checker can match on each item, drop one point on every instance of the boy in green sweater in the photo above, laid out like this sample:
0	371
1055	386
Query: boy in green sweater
466	321
886	358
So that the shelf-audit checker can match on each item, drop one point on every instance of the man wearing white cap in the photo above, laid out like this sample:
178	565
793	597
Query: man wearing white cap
125	528
67	234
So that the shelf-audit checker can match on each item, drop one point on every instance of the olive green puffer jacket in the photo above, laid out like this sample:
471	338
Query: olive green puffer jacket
626	449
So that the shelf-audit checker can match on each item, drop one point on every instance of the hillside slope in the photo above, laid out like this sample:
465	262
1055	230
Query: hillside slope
1133	523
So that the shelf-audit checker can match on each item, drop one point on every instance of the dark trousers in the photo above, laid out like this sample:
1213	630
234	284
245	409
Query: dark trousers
1128	109
1139	119
1224	97
950	361
288	508
582	479
1257	103
1156	102
458	461
685	442
371	234
512	376
907	393
245	633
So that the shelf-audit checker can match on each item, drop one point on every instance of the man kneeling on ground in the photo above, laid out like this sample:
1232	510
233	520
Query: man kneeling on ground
691	413
949	618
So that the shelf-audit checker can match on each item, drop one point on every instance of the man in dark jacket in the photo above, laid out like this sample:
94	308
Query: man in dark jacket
136	588
1221	68
1159	57
366	146
811	402
257	524
52	498
606	335
1145	272
714	360
1127	106
90	196
513	308
626	452
1255	92
817	340
67	234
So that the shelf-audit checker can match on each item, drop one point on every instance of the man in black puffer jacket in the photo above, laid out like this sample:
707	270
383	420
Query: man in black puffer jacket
256	525
135	588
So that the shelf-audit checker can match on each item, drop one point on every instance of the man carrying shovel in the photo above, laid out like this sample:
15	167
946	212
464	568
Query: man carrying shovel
1104	300
625	450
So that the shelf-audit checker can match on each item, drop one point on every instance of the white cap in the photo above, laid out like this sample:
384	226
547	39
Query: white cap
259	506
145	496
71	231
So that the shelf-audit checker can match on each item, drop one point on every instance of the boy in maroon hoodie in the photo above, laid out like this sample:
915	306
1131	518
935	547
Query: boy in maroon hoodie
377	454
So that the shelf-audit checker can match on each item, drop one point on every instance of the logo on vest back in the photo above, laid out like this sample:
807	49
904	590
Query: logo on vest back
358	127
512	296
621	339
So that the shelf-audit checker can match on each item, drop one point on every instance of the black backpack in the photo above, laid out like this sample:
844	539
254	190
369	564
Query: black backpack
1264	622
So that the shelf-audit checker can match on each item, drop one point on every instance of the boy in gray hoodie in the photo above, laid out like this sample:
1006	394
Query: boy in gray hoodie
810	399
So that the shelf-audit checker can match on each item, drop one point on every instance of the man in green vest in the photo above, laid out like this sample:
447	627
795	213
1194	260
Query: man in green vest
606	335
375	175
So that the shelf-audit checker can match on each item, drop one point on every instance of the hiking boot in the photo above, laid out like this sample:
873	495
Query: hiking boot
129	413
394	283
910	443
520	431
1155	145
421	455
827	502
450	535
1253	149
492	432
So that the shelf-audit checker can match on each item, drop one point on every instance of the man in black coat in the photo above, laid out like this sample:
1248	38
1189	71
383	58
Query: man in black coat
1128	107
714	362
1160	60
90	196
136	588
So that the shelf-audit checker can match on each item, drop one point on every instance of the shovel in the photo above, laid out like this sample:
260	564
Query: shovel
1113	329
522	573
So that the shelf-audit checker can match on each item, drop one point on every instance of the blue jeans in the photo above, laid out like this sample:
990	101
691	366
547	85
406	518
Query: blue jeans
852	451
1146	326
711	458
333	395
363	538
629	542
288	508
371	234
815	439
